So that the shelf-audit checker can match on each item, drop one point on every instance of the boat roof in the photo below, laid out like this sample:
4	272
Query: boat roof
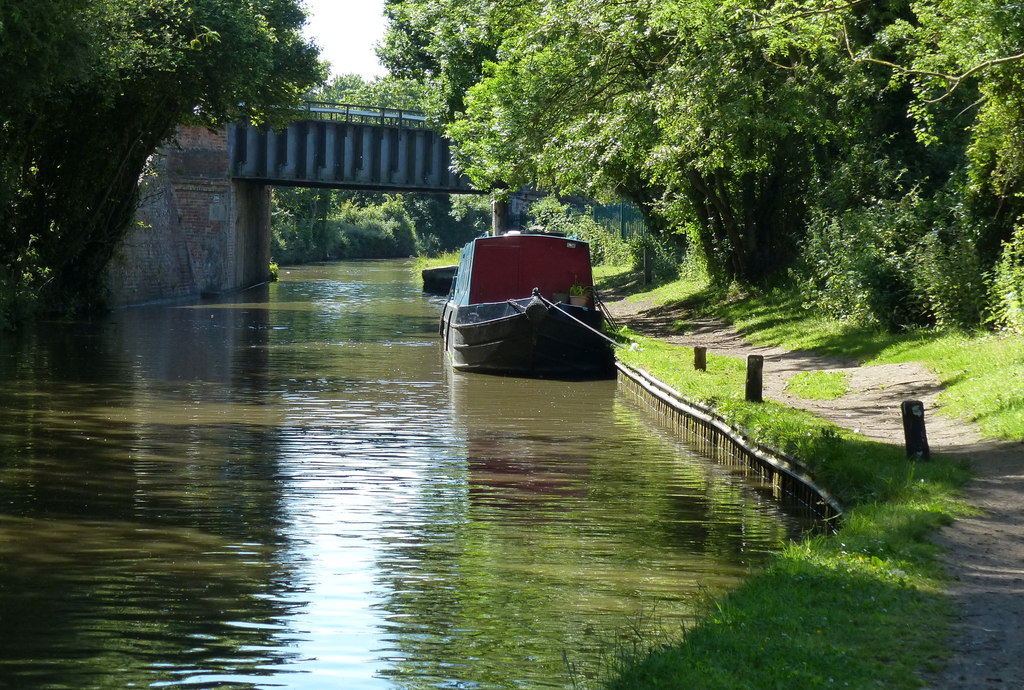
510	266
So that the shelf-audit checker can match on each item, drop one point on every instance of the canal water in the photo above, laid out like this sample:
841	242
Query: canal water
289	488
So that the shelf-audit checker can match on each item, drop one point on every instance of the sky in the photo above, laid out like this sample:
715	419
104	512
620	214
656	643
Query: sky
346	31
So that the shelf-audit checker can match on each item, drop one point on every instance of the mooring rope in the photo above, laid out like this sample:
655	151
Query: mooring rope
536	293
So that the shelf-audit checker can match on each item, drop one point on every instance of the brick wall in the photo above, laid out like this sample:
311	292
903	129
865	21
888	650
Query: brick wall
198	231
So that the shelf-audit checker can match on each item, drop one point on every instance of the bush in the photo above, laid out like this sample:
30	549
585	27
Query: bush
947	277
376	231
20	286
664	260
350	231
1006	294
900	264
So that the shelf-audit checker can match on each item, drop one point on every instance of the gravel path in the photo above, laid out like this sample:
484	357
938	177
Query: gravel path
984	554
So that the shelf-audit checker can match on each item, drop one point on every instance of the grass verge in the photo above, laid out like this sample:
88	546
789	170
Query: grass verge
447	259
982	372
864	607
819	385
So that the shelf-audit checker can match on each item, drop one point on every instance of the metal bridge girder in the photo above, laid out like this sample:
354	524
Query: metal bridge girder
347	147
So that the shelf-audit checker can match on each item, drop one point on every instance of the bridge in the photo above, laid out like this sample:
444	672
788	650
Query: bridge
204	223
342	146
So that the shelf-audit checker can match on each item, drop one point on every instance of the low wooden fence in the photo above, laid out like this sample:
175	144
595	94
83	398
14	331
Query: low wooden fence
715	438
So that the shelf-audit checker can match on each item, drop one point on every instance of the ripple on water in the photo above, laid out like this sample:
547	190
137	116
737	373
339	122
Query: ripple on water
292	489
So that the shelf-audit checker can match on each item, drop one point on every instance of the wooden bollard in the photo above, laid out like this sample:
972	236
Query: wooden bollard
913	429
755	367
700	358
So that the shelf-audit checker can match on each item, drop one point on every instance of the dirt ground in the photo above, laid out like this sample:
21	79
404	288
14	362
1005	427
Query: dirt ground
984	553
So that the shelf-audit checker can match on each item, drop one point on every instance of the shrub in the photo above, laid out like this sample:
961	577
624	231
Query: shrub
1006	294
664	262
948	279
351	231
899	264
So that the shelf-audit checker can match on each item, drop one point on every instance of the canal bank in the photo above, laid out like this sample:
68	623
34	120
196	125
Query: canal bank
889	529
716	439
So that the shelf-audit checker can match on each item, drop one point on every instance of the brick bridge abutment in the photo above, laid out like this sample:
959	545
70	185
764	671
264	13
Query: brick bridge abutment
198	231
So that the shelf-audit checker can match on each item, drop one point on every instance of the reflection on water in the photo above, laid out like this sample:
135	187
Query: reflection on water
291	489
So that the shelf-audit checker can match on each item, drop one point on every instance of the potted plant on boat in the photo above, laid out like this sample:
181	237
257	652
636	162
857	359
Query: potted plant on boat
578	294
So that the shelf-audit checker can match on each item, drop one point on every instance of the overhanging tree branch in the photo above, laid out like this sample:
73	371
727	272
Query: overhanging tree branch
796	16
953	81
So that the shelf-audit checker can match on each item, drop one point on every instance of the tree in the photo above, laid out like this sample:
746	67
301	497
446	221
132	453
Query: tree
647	101
718	118
381	92
118	77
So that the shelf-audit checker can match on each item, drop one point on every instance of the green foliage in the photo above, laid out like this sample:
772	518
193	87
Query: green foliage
448	222
662	258
446	259
982	373
314	225
862	605
444	43
380	92
377	231
90	89
1007	291
738	126
900	264
317	229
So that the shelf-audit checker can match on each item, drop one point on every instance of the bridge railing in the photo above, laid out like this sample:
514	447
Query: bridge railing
361	114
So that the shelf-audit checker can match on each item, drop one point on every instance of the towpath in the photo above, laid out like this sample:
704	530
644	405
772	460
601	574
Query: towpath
983	553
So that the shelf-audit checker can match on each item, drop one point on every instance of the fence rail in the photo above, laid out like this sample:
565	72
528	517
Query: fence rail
361	114
622	218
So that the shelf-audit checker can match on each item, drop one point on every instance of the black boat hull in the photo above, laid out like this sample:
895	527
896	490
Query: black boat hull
438	280
544	342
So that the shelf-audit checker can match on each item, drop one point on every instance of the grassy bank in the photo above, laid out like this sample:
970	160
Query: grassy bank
982	372
447	259
863	608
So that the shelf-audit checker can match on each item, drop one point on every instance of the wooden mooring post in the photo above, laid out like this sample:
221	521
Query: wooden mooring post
913	429
755	369
700	358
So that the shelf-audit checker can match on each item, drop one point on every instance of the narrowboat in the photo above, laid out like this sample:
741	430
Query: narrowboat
523	304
